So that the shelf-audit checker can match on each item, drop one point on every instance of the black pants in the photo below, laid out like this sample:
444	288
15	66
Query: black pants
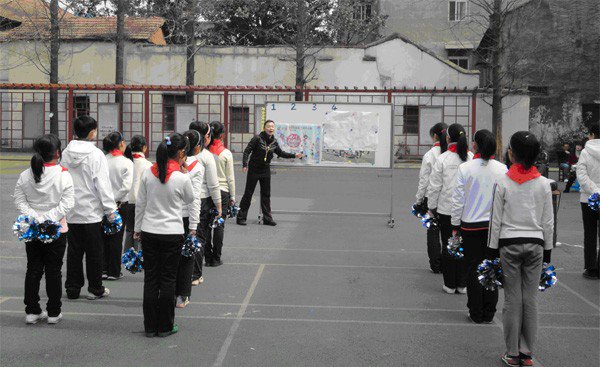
212	238
453	270
84	239
44	258
434	248
162	253
590	220
113	249
183	286
128	211
481	303
249	190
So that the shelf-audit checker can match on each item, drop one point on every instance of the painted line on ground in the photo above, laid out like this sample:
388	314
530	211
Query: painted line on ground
578	295
400	251
559	244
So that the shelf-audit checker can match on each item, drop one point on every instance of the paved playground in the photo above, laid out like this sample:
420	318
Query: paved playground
321	290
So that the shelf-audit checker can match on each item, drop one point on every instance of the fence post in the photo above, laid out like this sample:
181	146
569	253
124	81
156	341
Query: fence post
70	115
226	115
306	96
147	117
474	98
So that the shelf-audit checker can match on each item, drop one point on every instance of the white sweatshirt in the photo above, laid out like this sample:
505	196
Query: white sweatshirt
442	181
424	173
473	192
121	172
159	206
521	211
89	170
140	165
225	172
196	171
50	199
587	170
210	186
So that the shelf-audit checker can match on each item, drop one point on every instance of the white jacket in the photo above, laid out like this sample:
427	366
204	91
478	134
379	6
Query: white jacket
89	170
473	192
587	170
50	199
140	165
225	173
210	186
121	172
442	181
196	171
424	173
159	206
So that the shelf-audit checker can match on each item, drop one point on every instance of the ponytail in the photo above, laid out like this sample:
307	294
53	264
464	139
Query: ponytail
136	145
202	128
217	129
168	149
487	145
440	130
112	141
457	134
46	148
162	158
128	154
524	148
37	167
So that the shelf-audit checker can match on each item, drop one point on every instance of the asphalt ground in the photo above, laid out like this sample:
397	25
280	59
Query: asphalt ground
317	290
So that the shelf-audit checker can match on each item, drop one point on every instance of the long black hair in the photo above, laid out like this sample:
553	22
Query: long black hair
457	134
83	125
136	145
168	149
217	129
112	141
524	148
45	148
487	144
440	130
202	128
194	139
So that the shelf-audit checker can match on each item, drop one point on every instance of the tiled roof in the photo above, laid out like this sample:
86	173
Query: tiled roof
20	10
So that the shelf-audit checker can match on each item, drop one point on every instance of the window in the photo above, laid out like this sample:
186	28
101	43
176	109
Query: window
362	11
81	105
457	10
459	57
239	119
410	120
169	102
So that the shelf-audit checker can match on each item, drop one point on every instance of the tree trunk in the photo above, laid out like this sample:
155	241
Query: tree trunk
497	85
54	52
299	47
190	54
300	74
120	54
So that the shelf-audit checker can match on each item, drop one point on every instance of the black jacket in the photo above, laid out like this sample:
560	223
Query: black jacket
260	150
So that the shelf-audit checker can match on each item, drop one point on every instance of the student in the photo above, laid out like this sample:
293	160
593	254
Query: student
210	193
588	177
191	217
438	133
521	227
227	184
164	191
45	192
121	171
470	216
136	152
93	199
440	201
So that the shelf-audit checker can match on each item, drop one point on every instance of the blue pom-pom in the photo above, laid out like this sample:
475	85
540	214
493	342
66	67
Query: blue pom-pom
133	261
548	277
25	228
455	248
232	211
191	246
428	221
48	231
490	274
419	210
593	201
215	222
113	226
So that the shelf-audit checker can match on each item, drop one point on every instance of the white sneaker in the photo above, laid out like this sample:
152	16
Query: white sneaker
56	319
33	318
198	281
181	301
92	296
462	290
448	290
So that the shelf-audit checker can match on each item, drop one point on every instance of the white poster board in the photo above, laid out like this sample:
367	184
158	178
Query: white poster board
108	118
353	131
184	115
428	117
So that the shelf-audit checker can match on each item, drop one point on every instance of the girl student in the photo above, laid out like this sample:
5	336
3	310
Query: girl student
210	194
440	201
121	171
438	133
191	216
470	215
521	231
45	192
227	184
164	191
136	152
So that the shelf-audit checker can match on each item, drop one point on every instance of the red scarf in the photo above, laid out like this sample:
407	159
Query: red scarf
192	165
452	147
437	144
172	166
477	155
54	164
519	174
217	147
138	155
116	153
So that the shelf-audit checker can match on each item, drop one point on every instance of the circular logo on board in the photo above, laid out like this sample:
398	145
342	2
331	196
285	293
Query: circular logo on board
293	140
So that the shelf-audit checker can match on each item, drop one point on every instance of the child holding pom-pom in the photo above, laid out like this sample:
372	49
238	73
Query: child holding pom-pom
44	192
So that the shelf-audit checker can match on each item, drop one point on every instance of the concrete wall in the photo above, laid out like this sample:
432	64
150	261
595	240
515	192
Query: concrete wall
516	109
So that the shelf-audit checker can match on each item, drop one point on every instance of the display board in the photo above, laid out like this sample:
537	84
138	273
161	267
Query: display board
428	117
33	119
184	115
108	118
344	134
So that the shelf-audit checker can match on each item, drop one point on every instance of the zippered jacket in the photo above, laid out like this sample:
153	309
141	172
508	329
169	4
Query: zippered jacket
259	153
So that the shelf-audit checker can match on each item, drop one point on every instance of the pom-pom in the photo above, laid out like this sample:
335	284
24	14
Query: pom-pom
191	246
25	228
48	231
428	221
133	260
112	226
593	201
454	247
548	277
232	211
215	222
490	274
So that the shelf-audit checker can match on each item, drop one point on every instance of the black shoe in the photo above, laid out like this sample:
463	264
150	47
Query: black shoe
240	221
173	331
209	263
590	274
151	334
72	295
217	263
269	223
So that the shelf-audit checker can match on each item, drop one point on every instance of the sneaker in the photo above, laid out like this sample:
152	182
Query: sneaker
151	334
448	290
240	221
105	276
55	319
72	295
589	274
173	331
181	301
509	360
269	223
217	263
92	296
198	281
462	290
110	277
32	318
526	360
209	263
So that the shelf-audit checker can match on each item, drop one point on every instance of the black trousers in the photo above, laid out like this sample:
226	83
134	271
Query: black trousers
44	258
84	239
590	220
212	238
162	253
434	248
128	212
453	270
249	190
481	303
113	248
183	285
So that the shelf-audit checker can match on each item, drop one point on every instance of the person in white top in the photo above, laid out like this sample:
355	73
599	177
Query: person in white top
45	192
440	201
89	169
121	171
136	152
165	190
587	171
438	133
470	216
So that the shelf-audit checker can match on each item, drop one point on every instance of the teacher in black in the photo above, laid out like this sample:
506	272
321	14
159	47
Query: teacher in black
256	163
